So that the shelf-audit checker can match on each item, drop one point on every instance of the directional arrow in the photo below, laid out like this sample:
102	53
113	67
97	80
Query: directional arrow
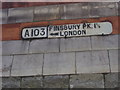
54	34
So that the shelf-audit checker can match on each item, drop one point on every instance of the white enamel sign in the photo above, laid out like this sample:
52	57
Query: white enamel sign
35	32
84	29
68	30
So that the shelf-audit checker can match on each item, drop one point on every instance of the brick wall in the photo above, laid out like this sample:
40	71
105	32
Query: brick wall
71	61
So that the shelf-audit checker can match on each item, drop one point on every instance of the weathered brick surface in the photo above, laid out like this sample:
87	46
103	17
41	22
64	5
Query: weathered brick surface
11	32
44	46
47	13
92	62
27	65
87	81
65	11
77	10
111	80
32	82
102	9
3	16
53	62
32	4
34	24
114	57
17	15
72	11
10	82
59	63
15	47
6	65
104	42
56	82
75	44
16	28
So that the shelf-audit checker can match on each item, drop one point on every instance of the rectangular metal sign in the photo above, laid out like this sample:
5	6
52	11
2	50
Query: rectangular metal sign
68	30
85	29
34	32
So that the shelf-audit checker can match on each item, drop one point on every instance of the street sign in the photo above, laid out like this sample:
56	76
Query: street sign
85	29
68	30
34	32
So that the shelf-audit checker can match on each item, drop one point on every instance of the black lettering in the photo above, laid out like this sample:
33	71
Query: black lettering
50	27
70	33
26	33
79	32
61	34
32	32
84	32
74	33
56	28
96	25
42	32
74	26
66	33
88	25
65	27
69	27
84	25
36	32
61	27
78	26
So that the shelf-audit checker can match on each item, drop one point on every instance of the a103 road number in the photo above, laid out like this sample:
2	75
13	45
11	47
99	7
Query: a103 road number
36	32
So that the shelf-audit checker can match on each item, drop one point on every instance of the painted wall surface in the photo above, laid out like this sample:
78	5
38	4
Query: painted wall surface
72	62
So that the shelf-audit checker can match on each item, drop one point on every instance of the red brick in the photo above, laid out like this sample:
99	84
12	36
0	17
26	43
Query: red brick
34	24
30	4
13	31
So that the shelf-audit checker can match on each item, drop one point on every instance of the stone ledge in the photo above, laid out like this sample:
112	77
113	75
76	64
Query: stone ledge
15	47
18	15
73	11
32	82
27	65
61	63
6	65
103	9
65	11
56	82
114	60
11	82
112	80
87	81
3	16
82	81
51	12
92	62
75	44
105	42
44	46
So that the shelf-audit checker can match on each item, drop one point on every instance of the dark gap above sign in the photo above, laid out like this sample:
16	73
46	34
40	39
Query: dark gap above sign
68	30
